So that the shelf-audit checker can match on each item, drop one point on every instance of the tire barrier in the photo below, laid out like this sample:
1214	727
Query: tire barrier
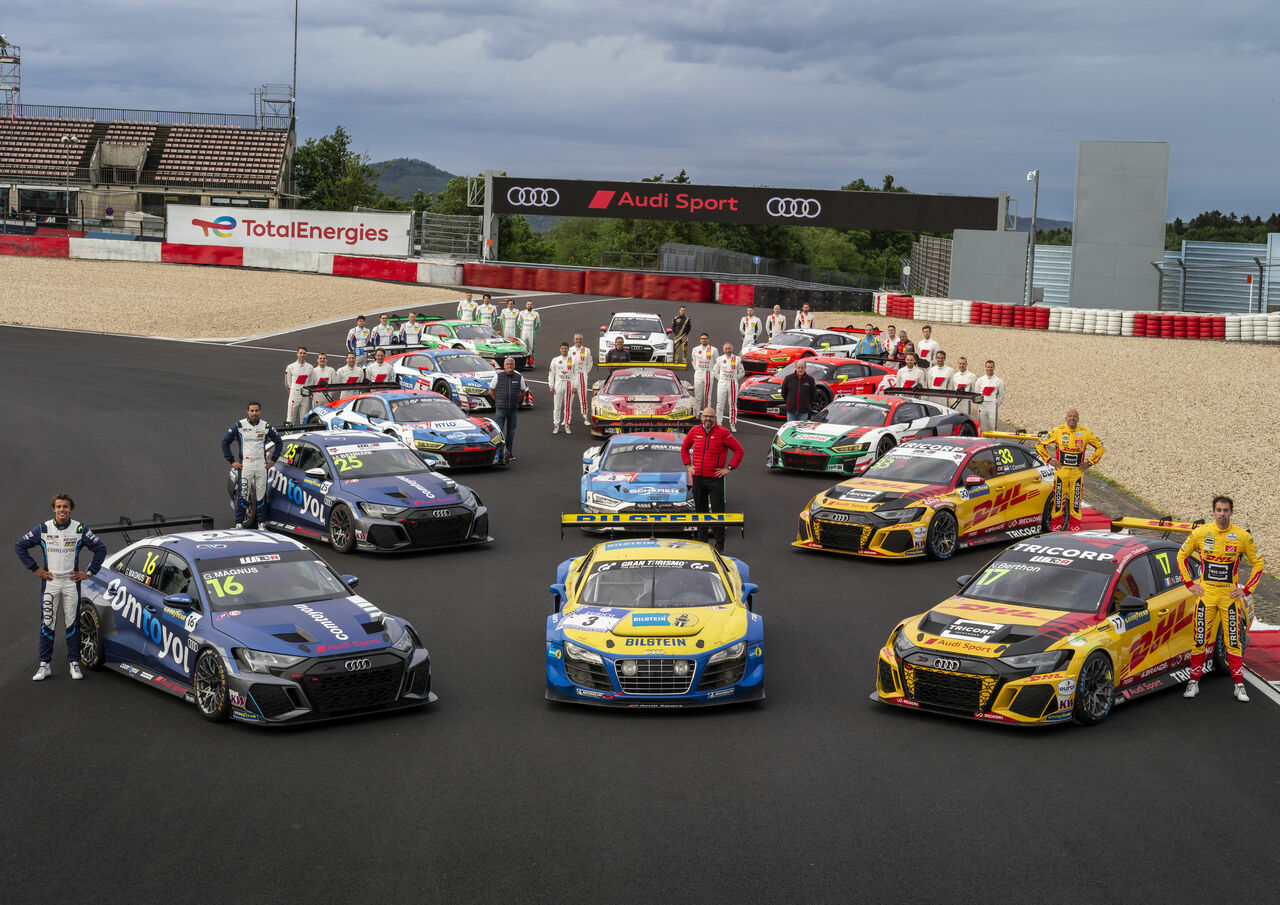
817	299
590	282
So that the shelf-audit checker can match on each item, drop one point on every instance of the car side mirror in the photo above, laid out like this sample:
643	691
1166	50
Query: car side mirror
316	473
350	581
669	331
962	580
557	591
182	601
603	328
595	387
1132	604
973	480
749	591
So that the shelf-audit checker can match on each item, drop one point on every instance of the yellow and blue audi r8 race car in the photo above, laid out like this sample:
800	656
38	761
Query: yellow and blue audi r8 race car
932	496
1055	628
654	622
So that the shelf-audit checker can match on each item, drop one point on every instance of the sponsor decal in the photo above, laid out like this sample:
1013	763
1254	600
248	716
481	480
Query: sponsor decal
237	699
592	693
1066	687
592	618
226	615
1057	717
721	693
969	630
554	652
1160	633
655	642
347	645
1072	552
262	557
172	645
946	663
323	620
650	619
982	715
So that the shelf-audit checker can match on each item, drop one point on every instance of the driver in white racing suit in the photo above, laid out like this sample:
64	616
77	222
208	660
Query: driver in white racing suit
253	434
61	538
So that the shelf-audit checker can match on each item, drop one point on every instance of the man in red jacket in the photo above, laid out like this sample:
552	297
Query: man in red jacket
705	450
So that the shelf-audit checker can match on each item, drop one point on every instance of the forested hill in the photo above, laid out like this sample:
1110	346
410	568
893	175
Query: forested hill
405	175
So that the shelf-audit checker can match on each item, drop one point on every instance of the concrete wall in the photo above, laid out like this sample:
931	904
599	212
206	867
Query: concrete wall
1121	192
988	265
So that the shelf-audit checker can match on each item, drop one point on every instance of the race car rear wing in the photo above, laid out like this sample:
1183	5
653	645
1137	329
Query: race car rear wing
664	365
1164	524
970	395
1014	435
650	522
350	389
154	526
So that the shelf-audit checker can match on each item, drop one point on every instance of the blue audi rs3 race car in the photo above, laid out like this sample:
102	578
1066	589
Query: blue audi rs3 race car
636	473
361	491
248	626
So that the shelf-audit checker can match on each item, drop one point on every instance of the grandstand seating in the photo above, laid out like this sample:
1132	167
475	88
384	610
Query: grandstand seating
127	133
32	146
222	155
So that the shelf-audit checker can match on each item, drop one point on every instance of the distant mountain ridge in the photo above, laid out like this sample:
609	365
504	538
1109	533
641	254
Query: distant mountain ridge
405	175
1043	224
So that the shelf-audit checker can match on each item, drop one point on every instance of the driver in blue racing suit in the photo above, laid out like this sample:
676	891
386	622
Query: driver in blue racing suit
61	538
253	434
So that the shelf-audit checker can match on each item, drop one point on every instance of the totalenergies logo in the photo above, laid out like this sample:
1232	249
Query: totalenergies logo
220	227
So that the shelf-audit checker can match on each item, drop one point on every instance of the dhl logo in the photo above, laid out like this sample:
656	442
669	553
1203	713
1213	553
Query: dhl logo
1010	496
1160	633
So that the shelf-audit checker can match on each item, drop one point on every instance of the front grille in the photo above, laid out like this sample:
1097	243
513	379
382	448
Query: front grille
386	536
755	366
887	684
951	690
755	406
427	530
588	675
1032	700
272	700
641	353
420	680
723	674
805	461
657	677
342	691
460	457
841	535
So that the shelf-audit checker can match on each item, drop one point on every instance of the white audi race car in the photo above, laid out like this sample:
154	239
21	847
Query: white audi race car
643	335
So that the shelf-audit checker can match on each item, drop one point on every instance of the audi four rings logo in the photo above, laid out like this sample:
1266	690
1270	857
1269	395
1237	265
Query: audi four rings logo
793	207
357	665
441	513
524	196
943	663
837	517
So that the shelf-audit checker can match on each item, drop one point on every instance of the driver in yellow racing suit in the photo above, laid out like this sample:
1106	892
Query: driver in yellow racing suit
1070	441
1219	546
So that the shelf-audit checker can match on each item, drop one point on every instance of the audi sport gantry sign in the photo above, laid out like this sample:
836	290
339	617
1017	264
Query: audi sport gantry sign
735	204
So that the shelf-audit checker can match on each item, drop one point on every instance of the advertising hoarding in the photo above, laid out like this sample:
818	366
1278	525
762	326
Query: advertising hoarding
337	232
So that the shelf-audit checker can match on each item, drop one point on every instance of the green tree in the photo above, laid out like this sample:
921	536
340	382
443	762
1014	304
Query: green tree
331	177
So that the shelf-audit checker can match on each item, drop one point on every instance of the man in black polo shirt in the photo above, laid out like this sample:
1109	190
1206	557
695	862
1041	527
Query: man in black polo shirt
798	389
618	352
507	391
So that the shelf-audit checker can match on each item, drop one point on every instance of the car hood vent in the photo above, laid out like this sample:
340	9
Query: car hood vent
297	636
376	627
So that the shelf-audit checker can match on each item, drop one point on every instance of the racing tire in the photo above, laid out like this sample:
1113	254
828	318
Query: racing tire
210	680
1046	517
885	444
944	535
314	419
967	430
91	645
342	532
821	399
1095	690
443	389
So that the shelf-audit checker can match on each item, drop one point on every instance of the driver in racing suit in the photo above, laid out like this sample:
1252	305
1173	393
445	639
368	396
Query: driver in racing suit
1070	441
729	373
580	358
253	434
704	362
1219	546
61	539
530	321
559	377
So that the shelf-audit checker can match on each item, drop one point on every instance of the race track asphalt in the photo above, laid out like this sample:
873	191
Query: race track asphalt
116	793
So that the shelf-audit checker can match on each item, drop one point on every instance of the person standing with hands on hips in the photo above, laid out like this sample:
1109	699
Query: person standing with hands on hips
253	434
1071	441
486	313
1219	545
580	358
61	538
705	452
530	321
680	329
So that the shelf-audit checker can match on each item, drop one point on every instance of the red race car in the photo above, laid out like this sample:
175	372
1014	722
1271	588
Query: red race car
641	399
835	376
791	345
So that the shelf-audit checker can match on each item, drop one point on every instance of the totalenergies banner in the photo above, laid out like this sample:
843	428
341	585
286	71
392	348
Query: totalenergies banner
386	235
736	204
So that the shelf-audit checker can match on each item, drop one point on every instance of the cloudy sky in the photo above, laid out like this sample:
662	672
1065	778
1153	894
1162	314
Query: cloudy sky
948	97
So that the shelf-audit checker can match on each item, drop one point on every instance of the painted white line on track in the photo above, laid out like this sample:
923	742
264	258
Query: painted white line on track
1262	685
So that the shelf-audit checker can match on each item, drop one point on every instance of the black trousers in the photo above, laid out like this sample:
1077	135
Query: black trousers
708	496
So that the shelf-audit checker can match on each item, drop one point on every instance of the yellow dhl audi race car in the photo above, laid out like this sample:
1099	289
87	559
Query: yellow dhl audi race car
933	496
1055	628
654	622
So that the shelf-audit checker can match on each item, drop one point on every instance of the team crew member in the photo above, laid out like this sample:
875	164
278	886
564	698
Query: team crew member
358	341
321	375
1219	546
941	376
61	538
910	374
704	362
580	358
379	371
350	372
680	328
507	390
928	346
776	323
705	450
798	389
253	434
530	321
618	352
729	373
750	328
486	312
411	331
467	309
383	334
868	345
804	320
559	379
903	347
509	319
1071	441
890	340
296	376
963	380
992	389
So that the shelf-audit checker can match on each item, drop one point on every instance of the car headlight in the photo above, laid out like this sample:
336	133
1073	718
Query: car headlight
608	411
776	395
733	652
899	516
902	643
1043	662
780	358
850	448
603	502
427	444
475	391
381	510
662	345
263	661
581	653
682	408
405	641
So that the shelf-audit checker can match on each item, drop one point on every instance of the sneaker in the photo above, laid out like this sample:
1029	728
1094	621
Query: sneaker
733	427
1241	695
556	429
42	673
586	423
75	671
1193	689
566	429
239	524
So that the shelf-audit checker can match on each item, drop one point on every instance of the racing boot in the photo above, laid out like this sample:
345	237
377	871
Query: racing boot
42	673
75	671
1193	689
1241	695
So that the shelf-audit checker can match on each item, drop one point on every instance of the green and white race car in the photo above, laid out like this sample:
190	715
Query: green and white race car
482	339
